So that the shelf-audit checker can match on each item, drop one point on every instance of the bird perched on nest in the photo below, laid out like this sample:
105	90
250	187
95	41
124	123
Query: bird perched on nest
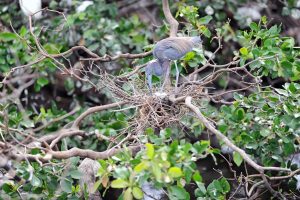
164	52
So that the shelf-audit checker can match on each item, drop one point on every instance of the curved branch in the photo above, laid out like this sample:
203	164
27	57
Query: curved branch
95	109
245	156
134	71
84	153
169	17
107	58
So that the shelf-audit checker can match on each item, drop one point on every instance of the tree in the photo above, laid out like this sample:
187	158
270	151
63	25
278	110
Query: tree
138	138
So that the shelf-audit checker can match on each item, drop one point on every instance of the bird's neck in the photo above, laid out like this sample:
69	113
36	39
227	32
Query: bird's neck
162	62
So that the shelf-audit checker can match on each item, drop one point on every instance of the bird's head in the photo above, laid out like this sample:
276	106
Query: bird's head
197	42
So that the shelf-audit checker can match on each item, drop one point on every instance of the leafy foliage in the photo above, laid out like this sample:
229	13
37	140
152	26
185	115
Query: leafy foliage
264	123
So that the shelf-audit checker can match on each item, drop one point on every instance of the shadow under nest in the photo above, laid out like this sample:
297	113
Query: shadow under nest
157	110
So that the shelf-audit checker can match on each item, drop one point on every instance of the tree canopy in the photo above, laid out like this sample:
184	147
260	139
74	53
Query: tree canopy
77	119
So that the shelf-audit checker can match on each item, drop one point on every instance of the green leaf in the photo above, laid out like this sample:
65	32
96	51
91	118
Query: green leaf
42	81
212	190
178	193
7	187
201	146
96	186
7	36
150	151
288	148
225	185
52	48
205	20
288	43
156	171
240	114
137	193
27	123
66	185
200	191
189	56
149	131
282	92
206	32
141	166
273	30
128	194
75	174
292	88
286	64
197	177
254	26
265	132
119	183
237	158
244	51
175	172
264	20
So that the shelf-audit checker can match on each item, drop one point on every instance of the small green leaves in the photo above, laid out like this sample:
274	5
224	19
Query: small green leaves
66	185
119	183
205	20
197	177
264	20
156	169
225	185
215	190
237	158
178	193
201	146
128	194
8	188
75	174
7	36
35	181
265	132
254	26
175	172
42	81
137	193
239	114
288	148
150	150
244	51
205	31
141	166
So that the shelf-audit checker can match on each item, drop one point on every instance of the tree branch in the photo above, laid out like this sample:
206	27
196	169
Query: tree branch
84	153
169	17
95	109
107	58
245	156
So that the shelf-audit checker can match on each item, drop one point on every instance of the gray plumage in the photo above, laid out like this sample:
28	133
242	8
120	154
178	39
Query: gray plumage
164	51
174	48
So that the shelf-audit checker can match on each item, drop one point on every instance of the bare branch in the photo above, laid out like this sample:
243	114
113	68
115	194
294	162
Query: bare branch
95	109
169	17
245	156
84	153
107	58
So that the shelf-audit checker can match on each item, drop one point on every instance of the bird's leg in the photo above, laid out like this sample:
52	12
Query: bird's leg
177	77
166	68
148	72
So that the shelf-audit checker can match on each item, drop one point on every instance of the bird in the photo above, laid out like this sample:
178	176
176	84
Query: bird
30	7
166	50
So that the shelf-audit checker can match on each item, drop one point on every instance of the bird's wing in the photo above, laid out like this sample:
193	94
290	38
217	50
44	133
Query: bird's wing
177	47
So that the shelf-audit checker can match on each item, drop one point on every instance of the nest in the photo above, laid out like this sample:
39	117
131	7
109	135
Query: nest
155	111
